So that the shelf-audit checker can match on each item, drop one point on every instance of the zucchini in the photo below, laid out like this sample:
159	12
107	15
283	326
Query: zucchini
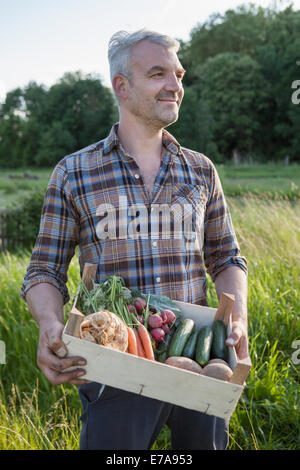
180	337
203	346
190	347
219	348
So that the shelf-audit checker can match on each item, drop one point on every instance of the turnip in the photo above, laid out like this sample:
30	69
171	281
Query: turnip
155	321
168	316
157	334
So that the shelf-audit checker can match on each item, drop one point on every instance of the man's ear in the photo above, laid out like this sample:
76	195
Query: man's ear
120	86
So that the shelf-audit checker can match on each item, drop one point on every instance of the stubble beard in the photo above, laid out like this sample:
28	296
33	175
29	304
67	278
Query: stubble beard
150	114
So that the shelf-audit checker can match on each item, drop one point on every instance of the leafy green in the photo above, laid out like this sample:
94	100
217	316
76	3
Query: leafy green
111	295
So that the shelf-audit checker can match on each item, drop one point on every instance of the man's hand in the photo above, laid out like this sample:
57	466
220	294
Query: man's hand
233	280
239	338
51	357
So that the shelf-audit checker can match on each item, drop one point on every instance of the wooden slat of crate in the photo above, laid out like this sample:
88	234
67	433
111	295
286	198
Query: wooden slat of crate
155	380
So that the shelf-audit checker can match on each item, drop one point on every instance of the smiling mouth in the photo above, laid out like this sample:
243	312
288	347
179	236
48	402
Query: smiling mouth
169	101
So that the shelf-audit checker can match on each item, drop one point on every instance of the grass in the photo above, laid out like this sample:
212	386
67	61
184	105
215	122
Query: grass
268	181
13	190
36	415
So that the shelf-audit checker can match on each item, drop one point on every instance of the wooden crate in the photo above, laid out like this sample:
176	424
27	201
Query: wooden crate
157	380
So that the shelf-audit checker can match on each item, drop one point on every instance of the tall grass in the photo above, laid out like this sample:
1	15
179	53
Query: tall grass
36	415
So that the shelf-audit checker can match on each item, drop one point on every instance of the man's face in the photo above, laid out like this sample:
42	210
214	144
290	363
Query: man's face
155	85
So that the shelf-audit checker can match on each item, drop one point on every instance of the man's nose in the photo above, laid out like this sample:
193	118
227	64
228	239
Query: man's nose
173	83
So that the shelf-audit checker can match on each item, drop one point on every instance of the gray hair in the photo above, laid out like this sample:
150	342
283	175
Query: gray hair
121	43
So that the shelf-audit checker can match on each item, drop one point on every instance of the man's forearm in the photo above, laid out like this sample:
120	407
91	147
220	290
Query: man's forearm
234	281
45	303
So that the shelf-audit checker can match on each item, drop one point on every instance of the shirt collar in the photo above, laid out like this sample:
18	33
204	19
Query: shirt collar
169	142
111	140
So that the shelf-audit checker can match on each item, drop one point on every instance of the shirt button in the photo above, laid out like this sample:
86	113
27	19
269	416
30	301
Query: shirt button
136	176
158	279
154	244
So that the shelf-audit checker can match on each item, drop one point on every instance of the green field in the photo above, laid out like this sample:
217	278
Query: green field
36	415
270	181
14	186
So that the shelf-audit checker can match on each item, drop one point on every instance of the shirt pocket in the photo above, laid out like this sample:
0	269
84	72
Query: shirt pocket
188	206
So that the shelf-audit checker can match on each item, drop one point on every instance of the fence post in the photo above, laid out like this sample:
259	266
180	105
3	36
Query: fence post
4	238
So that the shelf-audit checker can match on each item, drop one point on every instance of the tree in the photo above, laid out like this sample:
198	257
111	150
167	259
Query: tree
278	60
196	126
56	142
11	141
241	30
38	126
233	86
83	105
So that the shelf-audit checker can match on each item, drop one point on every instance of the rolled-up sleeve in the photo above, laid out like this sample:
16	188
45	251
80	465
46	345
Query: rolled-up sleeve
57	238
221	248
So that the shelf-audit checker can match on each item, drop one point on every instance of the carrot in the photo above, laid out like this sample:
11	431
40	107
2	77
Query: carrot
132	343
146	342
140	349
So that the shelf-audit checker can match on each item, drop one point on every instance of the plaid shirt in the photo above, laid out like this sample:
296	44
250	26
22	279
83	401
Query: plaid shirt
96	198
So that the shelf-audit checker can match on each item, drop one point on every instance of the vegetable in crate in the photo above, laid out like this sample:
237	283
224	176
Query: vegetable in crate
180	337
203	346
105	328
132	342
158	303
140	347
111	295
140	305
217	370
189	349
155	321
157	334
184	363
161	350
146	342
168	316
219	348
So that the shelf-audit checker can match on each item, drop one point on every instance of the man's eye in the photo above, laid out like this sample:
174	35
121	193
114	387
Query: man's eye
158	74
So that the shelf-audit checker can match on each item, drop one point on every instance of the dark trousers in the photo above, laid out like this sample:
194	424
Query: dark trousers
114	419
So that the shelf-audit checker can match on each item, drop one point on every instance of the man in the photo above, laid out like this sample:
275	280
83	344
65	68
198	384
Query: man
143	166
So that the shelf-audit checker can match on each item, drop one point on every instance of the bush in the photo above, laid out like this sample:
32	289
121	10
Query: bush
20	226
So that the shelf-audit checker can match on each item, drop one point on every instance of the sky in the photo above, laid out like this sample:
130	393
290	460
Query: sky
40	40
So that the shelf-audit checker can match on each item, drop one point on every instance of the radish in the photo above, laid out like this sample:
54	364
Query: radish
140	319
166	328
131	309
158	334
155	321
140	304
168	316
163	316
